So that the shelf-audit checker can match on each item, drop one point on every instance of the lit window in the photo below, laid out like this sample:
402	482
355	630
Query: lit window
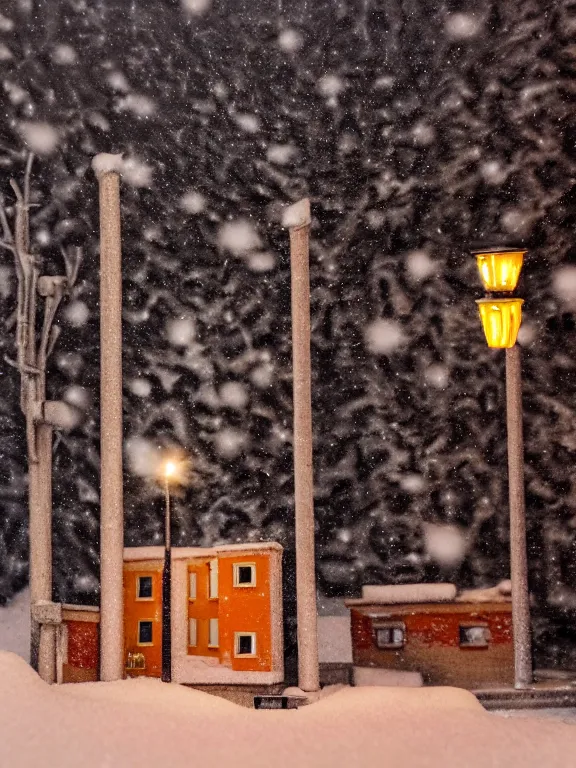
144	588
213	634
474	635
244	643
213	580
144	633
390	635
244	575
192	633
135	660
192	586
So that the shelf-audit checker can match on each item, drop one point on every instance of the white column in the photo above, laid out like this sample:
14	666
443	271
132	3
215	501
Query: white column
107	168
297	219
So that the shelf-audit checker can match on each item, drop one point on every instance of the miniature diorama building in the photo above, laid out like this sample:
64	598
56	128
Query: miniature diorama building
77	652
434	634
226	606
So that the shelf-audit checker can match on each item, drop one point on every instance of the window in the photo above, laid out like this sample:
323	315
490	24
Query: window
135	660
144	588
145	632
244	643
244	574
213	580
191	586
474	635
390	635
192	633
213	634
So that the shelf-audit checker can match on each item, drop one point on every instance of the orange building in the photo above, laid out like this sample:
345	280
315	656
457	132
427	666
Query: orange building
226	607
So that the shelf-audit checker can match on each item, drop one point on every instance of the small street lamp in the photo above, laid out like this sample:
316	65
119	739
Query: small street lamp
501	317
168	474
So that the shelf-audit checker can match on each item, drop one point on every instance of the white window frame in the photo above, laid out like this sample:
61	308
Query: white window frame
213	633
474	625
237	636
147	621
236	567
213	580
144	599
390	626
192	585
192	633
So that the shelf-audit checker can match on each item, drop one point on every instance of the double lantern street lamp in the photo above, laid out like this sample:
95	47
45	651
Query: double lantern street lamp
501	317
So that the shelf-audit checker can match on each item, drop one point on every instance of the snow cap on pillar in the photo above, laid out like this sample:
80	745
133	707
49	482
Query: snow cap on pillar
107	163
297	215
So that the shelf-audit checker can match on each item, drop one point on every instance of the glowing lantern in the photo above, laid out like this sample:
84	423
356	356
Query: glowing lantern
500	270
501	320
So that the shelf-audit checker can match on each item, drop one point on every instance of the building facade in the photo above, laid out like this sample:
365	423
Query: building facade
459	641
226	608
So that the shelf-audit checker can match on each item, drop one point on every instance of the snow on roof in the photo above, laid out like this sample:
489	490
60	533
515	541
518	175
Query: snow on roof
147	723
392	594
183	553
501	593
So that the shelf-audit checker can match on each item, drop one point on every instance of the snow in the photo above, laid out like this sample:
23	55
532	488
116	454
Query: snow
420	265
281	154
41	138
392	594
137	104
234	394
437	376
238	237
140	387
146	723
118	82
446	545
6	24
77	313
79	397
462	26
136	172
64	55
15	625
5	53
263	261
564	284
290	40
383	337
386	677
334	640
181	331
107	163
330	85
230	442
143	456
196	7
499	594
297	215
192	202
249	123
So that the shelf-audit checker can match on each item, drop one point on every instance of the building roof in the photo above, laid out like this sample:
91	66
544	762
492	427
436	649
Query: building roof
184	553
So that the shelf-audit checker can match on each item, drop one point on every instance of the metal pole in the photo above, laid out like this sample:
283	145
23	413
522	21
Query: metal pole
40	493
111	499
298	220
518	553
166	590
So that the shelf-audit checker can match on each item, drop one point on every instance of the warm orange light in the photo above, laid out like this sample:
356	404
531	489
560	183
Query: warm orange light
169	469
499	271
501	320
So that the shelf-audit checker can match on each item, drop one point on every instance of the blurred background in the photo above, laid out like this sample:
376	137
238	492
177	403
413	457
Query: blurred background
419	129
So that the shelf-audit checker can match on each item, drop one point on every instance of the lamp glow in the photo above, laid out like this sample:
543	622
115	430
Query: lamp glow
169	469
500	270
501	320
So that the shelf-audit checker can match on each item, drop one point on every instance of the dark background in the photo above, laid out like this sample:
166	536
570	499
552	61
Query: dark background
418	129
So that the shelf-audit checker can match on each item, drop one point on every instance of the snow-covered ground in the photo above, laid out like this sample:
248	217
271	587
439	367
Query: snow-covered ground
147	723
15	625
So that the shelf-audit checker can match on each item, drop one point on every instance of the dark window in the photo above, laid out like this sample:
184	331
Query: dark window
144	586
145	632
245	645
244	574
477	636
390	637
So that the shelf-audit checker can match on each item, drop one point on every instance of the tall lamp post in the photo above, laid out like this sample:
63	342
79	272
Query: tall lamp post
169	470
501	317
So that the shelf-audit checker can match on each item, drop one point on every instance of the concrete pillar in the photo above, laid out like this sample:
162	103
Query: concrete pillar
297	219
40	501
106	168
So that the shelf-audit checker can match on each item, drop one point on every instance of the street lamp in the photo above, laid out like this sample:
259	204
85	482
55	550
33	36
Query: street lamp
501	317
168	474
